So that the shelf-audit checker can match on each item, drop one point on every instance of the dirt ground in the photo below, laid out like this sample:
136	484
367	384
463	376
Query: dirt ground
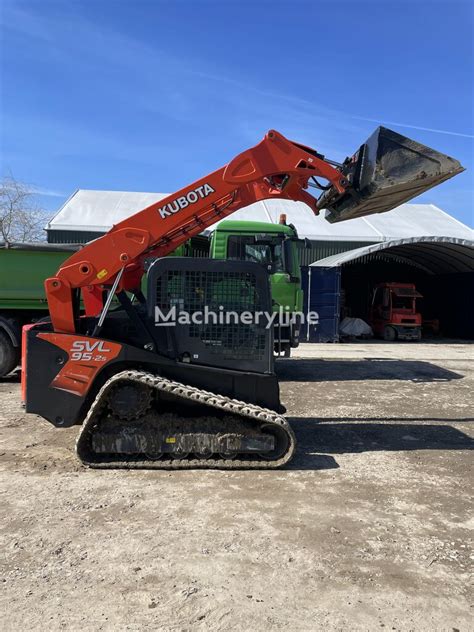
367	529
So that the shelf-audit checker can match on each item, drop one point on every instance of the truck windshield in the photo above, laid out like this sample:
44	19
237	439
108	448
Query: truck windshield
245	248
402	302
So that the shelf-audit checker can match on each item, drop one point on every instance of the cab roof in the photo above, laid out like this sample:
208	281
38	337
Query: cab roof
229	225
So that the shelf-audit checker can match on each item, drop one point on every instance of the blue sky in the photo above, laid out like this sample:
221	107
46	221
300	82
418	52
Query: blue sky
151	95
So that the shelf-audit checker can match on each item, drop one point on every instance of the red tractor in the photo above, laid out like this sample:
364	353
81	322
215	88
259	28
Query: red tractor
393	314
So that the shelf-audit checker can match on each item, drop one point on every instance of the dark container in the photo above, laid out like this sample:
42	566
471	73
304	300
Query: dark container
321	288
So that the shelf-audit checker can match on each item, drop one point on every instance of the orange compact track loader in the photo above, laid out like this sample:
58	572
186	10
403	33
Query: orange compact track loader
156	390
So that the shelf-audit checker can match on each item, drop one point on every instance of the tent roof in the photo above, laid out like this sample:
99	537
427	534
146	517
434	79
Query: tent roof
435	255
98	211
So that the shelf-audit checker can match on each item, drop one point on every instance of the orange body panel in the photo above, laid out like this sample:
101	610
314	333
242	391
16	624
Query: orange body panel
24	333
86	357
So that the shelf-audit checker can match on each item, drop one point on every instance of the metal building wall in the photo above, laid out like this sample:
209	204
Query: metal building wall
322	249
318	249
71	236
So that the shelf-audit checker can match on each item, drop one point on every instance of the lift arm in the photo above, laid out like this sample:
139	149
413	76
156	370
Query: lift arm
275	168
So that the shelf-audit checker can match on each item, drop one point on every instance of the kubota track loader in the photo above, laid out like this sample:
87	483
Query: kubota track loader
196	394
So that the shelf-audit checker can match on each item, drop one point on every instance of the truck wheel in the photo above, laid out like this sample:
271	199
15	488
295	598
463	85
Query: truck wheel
295	342
295	338
9	355
389	333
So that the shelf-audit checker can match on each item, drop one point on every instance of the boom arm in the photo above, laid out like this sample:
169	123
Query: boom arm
275	168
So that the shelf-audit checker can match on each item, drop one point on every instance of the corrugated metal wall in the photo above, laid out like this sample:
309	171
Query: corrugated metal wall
317	250
199	246
71	236
322	249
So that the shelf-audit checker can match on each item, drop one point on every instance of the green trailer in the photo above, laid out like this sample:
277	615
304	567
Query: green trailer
23	269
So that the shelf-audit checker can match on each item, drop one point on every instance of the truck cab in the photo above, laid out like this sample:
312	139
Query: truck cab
274	247
393	312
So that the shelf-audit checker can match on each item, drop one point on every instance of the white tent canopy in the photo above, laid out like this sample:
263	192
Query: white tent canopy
435	255
98	211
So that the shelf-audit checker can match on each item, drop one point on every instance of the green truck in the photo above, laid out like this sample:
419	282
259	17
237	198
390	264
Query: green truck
275	247
24	267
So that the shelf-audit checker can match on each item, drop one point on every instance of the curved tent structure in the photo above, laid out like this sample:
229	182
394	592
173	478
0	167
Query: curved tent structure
441	267
434	255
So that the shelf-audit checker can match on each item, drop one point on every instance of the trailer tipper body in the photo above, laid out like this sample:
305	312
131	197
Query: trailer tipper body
23	269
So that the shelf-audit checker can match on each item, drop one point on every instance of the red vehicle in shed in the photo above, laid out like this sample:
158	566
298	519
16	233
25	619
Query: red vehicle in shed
393	313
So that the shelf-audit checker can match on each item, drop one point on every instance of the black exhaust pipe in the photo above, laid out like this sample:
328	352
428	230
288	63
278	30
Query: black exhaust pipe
386	171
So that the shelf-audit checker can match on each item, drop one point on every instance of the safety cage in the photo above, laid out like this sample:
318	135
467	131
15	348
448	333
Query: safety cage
208	311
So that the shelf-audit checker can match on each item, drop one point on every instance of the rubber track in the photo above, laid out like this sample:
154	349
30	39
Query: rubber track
244	409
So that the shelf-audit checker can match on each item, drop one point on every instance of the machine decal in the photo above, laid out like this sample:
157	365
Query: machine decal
84	350
193	196
86	357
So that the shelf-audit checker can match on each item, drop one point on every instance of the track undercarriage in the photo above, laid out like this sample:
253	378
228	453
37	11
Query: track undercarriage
141	420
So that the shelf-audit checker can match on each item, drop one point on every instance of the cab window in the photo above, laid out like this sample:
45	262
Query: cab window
244	248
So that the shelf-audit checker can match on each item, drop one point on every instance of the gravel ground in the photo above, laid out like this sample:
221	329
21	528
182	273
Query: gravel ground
367	529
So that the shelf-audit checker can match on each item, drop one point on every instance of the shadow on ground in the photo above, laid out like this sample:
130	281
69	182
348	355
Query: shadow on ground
369	369
457	420
362	436
426	340
316	441
315	370
11	378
